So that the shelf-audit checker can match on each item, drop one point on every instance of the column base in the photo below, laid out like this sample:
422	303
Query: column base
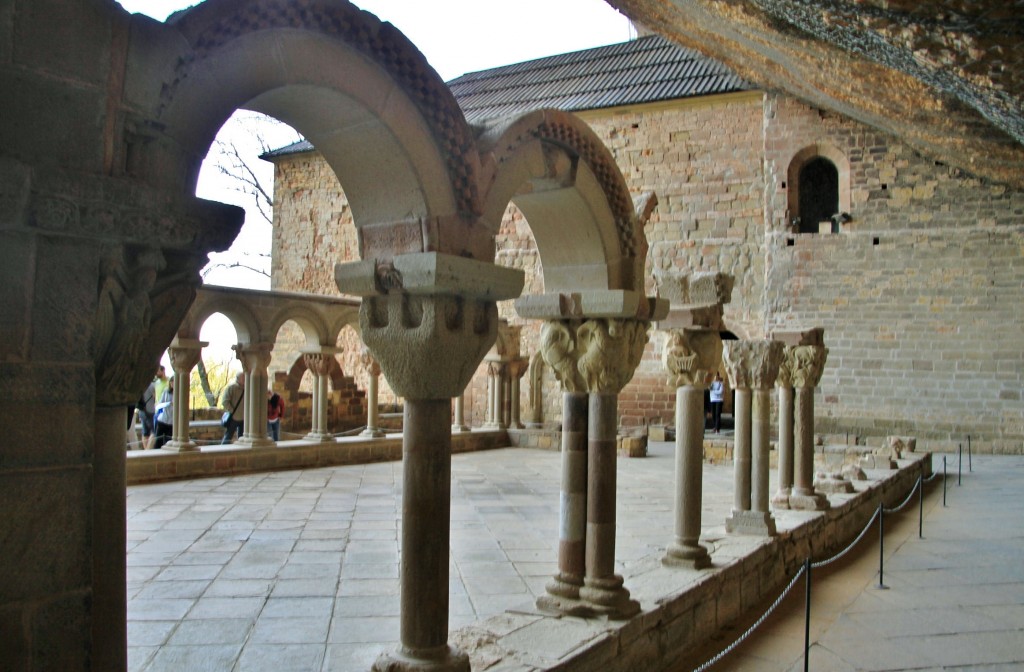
457	429
371	434
686	555
318	436
259	442
443	659
808	502
516	425
181	447
832	484
780	500
609	597
754	523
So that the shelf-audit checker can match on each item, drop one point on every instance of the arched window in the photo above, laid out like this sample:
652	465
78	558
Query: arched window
819	189
819	195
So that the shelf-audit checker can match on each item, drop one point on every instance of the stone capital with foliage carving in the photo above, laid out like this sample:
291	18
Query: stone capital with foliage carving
692	356
317	363
368	362
752	364
807	363
254	357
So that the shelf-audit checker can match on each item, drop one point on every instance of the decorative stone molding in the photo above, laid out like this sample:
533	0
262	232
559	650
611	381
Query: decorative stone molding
318	363
752	364
692	356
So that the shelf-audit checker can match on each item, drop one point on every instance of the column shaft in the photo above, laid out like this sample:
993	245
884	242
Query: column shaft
603	589
803	438
741	452
572	510
514	421
689	480
760	440
785	448
426	508
459	425
109	566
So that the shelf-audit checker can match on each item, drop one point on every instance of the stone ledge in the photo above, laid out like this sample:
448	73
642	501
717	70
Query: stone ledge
158	465
681	608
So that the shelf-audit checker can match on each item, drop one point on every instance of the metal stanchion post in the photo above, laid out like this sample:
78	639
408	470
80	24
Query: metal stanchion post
807	616
959	464
943	480
970	465
881	548
920	506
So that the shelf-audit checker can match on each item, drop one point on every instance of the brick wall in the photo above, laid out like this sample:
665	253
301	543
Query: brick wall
919	294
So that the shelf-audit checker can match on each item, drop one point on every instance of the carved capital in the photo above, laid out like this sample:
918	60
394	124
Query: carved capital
692	356
253	357
752	364
807	363
610	350
184	357
598	355
495	369
368	362
428	345
318	363
558	350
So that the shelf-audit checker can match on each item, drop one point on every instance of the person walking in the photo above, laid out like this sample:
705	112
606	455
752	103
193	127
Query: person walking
717	391
233	419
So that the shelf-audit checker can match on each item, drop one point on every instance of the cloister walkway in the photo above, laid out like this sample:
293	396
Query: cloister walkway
298	570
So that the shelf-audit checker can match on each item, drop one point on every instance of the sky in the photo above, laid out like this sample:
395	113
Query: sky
456	37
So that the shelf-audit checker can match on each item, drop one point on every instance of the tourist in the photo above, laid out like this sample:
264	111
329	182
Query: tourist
275	411
147	410
233	419
165	416
717	389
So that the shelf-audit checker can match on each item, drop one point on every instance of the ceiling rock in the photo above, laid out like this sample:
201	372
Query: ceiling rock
946	76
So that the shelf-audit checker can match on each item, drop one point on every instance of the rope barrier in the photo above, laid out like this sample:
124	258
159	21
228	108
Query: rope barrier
829	561
756	624
905	501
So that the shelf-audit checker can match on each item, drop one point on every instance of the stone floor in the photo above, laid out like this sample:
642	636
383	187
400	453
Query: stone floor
955	599
299	570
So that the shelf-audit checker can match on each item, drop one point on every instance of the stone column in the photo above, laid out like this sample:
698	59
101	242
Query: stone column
609	352
184	354
808	363
428	361
784	383
516	369
255	359
372	400
493	382
691	357
753	367
318	362
536	391
459	424
563	591
500	395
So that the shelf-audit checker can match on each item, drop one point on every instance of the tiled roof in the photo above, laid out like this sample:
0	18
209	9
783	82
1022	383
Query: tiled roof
646	70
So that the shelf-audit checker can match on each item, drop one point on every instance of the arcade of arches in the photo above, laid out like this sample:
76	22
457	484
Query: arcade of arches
103	241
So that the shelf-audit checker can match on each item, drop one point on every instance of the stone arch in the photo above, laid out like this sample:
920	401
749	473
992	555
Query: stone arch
803	157
348	320
245	322
298	368
313	325
555	169
382	118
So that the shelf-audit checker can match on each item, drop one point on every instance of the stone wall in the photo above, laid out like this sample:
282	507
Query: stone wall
918	294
